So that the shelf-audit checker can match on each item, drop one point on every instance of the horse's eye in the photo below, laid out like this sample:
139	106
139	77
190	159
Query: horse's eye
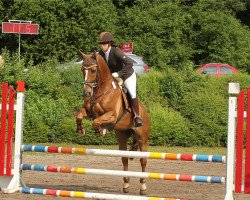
93	71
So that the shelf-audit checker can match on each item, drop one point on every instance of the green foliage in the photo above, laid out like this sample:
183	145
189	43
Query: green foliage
207	113
72	77
176	32
242	78
185	108
66	92
64	26
201	102
44	114
67	133
169	128
149	84
172	87
161	38
43	79
12	70
206	107
223	38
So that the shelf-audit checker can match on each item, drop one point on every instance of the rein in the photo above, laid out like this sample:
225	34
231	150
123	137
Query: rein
86	82
97	85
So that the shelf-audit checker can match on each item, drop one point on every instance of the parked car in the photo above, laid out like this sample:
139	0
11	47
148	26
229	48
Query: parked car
216	69
138	64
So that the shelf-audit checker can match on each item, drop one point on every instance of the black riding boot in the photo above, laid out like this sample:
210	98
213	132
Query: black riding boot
137	119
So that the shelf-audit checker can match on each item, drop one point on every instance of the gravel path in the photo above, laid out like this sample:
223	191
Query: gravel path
113	185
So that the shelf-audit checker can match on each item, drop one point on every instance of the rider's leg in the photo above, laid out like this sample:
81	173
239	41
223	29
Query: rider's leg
137	119
130	84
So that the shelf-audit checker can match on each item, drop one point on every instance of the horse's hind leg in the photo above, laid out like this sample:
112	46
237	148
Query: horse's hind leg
122	139
125	179
142	142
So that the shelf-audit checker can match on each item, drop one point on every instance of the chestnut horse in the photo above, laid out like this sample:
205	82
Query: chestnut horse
104	102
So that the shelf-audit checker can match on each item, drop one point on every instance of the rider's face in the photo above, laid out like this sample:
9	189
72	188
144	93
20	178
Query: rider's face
104	46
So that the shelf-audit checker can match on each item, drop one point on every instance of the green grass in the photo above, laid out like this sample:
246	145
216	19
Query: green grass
188	150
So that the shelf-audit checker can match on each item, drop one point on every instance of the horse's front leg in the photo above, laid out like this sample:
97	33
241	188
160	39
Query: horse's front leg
79	116
102	121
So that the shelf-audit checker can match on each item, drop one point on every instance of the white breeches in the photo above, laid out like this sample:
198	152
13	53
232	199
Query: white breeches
130	84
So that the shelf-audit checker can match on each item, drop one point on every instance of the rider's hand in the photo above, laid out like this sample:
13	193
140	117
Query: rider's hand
115	75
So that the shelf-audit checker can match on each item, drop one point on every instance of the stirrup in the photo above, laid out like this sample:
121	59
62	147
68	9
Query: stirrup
138	121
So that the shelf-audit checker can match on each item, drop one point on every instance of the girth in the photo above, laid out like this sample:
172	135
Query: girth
126	109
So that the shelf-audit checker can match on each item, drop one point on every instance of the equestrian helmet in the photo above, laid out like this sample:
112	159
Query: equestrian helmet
106	37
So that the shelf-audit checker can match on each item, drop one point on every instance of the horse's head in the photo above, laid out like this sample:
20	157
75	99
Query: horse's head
95	71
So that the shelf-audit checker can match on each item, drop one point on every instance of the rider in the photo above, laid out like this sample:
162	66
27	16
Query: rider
120	66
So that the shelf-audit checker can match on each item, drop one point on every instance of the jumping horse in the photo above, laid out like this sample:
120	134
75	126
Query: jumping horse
106	103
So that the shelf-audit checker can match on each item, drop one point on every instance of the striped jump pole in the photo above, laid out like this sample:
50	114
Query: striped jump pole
131	154
11	181
12	107
242	180
172	177
74	194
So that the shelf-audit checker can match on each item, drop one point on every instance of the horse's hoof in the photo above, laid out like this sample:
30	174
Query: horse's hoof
101	131
143	192
98	131
126	190
81	132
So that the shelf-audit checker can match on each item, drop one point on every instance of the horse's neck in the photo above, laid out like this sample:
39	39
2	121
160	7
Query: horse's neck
105	74
104	78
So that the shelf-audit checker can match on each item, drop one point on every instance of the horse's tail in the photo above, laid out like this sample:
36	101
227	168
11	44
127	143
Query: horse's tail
133	145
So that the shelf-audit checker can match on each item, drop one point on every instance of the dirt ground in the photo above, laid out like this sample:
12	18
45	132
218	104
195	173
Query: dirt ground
113	184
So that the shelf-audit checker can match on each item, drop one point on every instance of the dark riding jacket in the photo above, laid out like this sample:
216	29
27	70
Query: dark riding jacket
118	62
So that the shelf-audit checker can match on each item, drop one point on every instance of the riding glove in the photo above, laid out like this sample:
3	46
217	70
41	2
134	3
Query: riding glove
115	75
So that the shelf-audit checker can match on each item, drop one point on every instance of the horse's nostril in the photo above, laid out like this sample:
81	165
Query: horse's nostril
87	94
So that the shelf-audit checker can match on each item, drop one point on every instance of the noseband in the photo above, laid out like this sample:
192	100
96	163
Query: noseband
98	94
97	84
86	82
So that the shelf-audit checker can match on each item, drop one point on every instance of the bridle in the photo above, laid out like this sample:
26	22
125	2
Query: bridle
96	84
86	82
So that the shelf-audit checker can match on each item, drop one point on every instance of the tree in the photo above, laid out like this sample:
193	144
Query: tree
223	37
176	33
65	26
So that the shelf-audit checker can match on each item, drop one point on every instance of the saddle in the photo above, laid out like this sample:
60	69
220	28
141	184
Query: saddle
126	102
125	95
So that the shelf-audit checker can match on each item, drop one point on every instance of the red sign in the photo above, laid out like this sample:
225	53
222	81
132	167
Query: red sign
127	47
20	28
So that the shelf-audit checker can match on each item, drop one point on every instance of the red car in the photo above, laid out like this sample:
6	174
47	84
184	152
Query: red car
217	69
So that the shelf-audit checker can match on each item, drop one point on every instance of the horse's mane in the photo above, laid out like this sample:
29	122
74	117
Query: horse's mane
103	66
96	58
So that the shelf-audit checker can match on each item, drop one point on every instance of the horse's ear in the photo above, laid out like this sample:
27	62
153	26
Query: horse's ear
94	54
83	56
